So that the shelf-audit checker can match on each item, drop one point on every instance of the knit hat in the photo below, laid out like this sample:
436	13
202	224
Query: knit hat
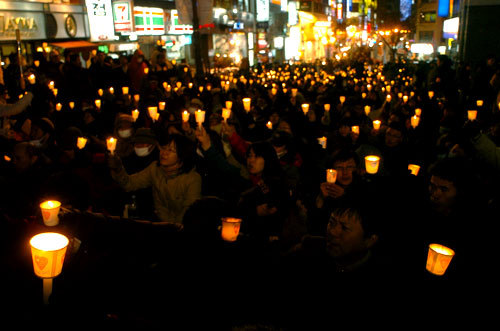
123	118
144	136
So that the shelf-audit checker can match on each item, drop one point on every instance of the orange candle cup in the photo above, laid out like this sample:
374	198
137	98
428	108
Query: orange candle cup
372	163
331	175
58	106
230	228
342	99
72	104
135	114
414	169
438	259
327	107
111	144
479	103
355	129
305	108
81	142
137	97
125	90
229	104
226	113
414	121
98	103
199	116
269	125
161	105
152	112
50	211
185	116
430	94
322	142
111	90
418	111
376	124
100	92
472	115
367	110
246	104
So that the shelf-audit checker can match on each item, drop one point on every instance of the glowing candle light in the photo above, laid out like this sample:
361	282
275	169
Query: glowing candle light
342	99
363	95
200	117
269	125
305	108
200	89
125	90
135	114
111	90
54	90
430	94
414	169
32	79
230	228
389	98
178	84
472	115
327	107
146	70
418	111
405	98
376	124
36	63
137	97
479	103
98	103
355	129
229	104
51	84
152	112
372	163
81	142
322	142
294	92
438	259
190	85
414	121
161	105
50	210
58	106
246	104
226	113
100	92
331	175
111	144
369	87
185	116
367	110
72	104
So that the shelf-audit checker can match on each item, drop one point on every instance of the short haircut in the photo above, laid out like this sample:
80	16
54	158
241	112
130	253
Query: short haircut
185	148
457	170
345	155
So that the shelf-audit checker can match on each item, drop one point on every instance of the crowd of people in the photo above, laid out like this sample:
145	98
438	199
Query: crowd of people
144	219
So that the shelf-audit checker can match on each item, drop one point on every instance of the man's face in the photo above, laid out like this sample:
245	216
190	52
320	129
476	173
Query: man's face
345	171
442	193
393	137
344	235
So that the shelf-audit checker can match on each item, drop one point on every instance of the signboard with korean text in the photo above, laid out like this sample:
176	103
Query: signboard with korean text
100	13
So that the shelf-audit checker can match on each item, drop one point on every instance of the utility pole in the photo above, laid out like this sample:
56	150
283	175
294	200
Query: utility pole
197	42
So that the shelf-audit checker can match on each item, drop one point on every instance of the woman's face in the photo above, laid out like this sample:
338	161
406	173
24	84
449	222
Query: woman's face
255	164
168	155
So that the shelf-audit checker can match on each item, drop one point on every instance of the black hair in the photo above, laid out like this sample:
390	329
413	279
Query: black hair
272	166
345	155
458	171
185	148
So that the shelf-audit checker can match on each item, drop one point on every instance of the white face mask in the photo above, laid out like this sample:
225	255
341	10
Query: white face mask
125	133
143	151
36	143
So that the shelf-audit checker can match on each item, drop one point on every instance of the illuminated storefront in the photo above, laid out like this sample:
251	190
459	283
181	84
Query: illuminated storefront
178	36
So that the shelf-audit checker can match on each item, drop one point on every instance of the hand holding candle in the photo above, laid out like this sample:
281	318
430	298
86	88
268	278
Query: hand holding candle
200	117
111	144
331	175
230	228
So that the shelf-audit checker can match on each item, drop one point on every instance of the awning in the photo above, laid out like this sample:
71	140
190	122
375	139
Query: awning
76	45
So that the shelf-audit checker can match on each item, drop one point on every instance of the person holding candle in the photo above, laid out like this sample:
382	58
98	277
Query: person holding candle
123	131
173	178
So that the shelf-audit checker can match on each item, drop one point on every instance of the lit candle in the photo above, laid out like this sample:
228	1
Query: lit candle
200	89
36	63
226	113
400	95
305	108
54	90
185	116
199	116
342	99
479	103
81	142
111	144
50	210
367	110
51	84
274	91
100	92
269	125
472	115
372	164
369	87
152	112
388	88
161	105
71	104
165	84
438	259
230	228
431	94
418	112
414	121
322	142
229	104
388	98
146	70
178	84
294	92
190	85
376	124
48	251
169	88
331	175
355	129
327	107
414	169
58	106
135	114
405	98
32	79
137	97
246	104
125	89
98	103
